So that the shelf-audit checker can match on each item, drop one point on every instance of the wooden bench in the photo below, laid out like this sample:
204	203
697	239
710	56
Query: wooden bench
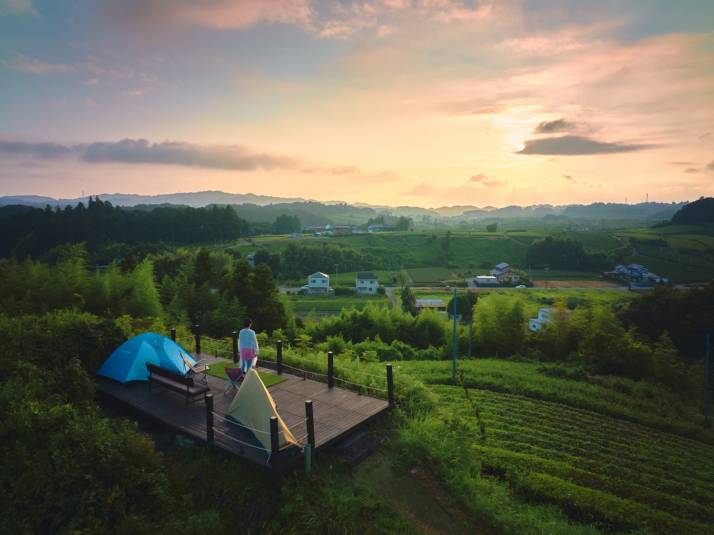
177	383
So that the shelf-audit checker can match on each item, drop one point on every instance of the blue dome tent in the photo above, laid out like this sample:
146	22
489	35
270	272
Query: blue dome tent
128	361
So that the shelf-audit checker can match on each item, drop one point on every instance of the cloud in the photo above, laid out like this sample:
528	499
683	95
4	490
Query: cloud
577	145
141	151
551	127
215	14
710	166
692	170
18	7
35	66
38	150
569	178
483	180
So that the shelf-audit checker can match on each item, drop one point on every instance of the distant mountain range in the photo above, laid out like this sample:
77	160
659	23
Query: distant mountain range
272	206
195	199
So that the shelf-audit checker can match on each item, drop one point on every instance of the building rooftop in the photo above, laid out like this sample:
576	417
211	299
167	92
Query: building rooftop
430	303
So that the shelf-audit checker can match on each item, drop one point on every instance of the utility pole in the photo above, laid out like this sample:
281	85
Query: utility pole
454	341
707	378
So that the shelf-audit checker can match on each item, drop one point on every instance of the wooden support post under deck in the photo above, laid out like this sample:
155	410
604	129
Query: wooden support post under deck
173	334
234	334
197	338
390	385
274	439
310	423
330	369
209	418
279	356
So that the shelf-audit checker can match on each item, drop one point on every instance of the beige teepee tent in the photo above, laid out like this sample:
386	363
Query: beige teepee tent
253	406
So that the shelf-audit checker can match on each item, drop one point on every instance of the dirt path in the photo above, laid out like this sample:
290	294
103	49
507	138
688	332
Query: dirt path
417	497
389	292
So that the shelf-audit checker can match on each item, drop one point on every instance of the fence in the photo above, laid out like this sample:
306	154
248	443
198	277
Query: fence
344	376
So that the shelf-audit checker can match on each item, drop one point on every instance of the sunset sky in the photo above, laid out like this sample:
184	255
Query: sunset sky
394	102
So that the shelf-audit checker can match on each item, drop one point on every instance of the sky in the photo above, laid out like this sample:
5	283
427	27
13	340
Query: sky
393	102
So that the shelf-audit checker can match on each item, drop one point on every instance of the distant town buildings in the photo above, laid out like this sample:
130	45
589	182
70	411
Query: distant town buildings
486	281
505	274
541	320
637	274
366	283
431	304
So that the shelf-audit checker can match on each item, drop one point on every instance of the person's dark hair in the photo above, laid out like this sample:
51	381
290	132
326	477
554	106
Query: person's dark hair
247	322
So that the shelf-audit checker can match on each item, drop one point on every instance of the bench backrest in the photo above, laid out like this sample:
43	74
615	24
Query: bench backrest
156	370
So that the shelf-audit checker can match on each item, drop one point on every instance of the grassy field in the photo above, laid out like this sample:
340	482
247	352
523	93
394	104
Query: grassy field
533	298
430	275
328	305
528	447
683	253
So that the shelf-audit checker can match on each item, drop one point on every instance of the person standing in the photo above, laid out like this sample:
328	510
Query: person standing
248	344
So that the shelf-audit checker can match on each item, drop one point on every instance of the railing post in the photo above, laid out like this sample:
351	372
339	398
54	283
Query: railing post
310	423
390	385
274	442
234	334
330	369
209	418
173	334
197	338
279	357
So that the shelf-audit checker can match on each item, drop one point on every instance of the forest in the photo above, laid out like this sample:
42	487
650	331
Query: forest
32	231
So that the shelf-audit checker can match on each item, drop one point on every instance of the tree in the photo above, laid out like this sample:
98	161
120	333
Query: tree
404	223
492	227
144	300
287	224
409	301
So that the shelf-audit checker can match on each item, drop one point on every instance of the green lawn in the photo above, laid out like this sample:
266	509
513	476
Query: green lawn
433	275
217	369
303	304
562	275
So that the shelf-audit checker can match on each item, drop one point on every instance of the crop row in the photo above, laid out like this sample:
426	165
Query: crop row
693	485
508	459
678	461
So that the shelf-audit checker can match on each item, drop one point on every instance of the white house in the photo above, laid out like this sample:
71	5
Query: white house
505	273
543	318
366	283
318	283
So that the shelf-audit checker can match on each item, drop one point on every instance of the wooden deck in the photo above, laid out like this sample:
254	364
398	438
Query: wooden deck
337	412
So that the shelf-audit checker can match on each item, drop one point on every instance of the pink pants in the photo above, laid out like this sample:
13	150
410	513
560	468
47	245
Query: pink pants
248	358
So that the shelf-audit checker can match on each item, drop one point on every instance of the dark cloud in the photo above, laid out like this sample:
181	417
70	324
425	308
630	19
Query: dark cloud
551	127
141	151
577	145
691	170
710	166
569	178
39	150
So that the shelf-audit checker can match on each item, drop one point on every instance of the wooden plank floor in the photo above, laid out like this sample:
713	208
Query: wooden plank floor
337	411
